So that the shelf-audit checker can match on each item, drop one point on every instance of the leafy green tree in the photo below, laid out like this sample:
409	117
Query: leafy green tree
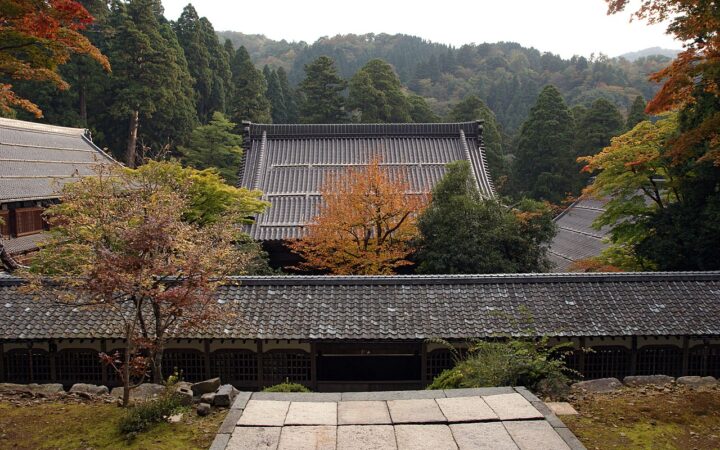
249	86
544	167
602	122
472	108
377	94
215	145
276	96
637	113
461	232
420	111
321	90
292	114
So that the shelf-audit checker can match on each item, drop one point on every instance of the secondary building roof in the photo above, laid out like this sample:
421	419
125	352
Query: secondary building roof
576	239
415	307
37	159
289	163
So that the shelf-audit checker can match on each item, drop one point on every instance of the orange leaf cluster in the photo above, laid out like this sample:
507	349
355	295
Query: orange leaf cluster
37	36
365	224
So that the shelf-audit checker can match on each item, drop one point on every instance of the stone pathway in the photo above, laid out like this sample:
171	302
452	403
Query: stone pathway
487	418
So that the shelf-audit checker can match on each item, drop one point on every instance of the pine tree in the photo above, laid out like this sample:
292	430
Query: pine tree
215	146
289	95
472	108
376	94
249	87
321	90
544	167
594	131
637	113
275	95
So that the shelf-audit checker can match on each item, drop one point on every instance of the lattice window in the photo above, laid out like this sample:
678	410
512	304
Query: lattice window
697	358
20	369
281	365
4	223
659	360
28	221
234	366
437	361
607	361
190	362
79	366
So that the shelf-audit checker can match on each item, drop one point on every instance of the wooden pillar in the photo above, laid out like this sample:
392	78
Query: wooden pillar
313	366
423	364
633	356
685	356
706	354
104	368
2	363
260	380
52	355
206	355
30	363
581	356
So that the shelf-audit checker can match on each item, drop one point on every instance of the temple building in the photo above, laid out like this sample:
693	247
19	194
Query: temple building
289	164
576	239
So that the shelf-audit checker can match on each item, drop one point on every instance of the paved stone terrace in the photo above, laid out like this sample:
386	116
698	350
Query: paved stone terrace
485	418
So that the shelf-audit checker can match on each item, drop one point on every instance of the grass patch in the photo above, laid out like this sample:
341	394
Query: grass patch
287	387
81	426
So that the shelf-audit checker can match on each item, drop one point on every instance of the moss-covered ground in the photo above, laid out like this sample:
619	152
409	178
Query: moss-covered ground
675	418
49	425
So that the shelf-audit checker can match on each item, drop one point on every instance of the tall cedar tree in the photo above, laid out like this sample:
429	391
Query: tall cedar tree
544	167
420	111
35	39
215	146
472	108
207	61
321	90
365	224
292	112
275	96
376	95
637	113
151	85
461	232
601	122
148	274
248	91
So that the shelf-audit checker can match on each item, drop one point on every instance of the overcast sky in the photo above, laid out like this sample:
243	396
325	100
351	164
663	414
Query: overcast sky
565	27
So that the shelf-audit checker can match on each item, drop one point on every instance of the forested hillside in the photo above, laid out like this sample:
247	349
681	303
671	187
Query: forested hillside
506	76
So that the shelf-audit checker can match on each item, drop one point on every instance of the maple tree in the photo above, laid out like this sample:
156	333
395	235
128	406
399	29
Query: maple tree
36	37
130	245
365	223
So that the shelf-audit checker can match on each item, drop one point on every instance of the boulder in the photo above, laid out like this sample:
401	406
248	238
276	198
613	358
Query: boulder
225	395
648	380
90	389
184	394
203	409
553	388
47	389
208	398
11	388
697	382
205	387
145	391
601	385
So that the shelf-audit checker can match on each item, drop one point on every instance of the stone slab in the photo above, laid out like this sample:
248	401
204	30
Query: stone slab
231	420
570	439
220	442
264	413
466	409
303	438
241	400
391	395
312	413
647	380
363	413
535	435
298	396
562	408
415	411
598	386
424	437
482	436
512	407
469	392
366	437
529	396
697	382
252	438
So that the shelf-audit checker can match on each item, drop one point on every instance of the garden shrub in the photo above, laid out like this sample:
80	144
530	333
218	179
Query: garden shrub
143	416
287	386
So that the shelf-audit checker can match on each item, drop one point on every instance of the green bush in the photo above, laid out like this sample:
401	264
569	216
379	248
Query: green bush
287	386
507	363
143	416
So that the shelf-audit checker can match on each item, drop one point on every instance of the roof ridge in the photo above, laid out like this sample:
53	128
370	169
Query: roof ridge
40	127
358	129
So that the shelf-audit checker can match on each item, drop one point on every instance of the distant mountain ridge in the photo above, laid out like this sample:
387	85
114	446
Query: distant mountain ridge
651	51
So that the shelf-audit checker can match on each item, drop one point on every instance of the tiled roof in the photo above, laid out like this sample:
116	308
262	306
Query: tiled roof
289	163
22	244
36	159
576	239
416	307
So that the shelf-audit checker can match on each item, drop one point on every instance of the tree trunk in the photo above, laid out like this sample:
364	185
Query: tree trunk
126	375
157	366
131	151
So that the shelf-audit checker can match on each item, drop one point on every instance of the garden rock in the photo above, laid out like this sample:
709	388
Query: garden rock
208	398
647	380
225	395
145	391
697	381
203	409
601	385
184	395
91	389
207	386
553	388
45	389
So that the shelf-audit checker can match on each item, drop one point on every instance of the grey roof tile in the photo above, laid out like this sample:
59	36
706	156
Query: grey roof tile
576	238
